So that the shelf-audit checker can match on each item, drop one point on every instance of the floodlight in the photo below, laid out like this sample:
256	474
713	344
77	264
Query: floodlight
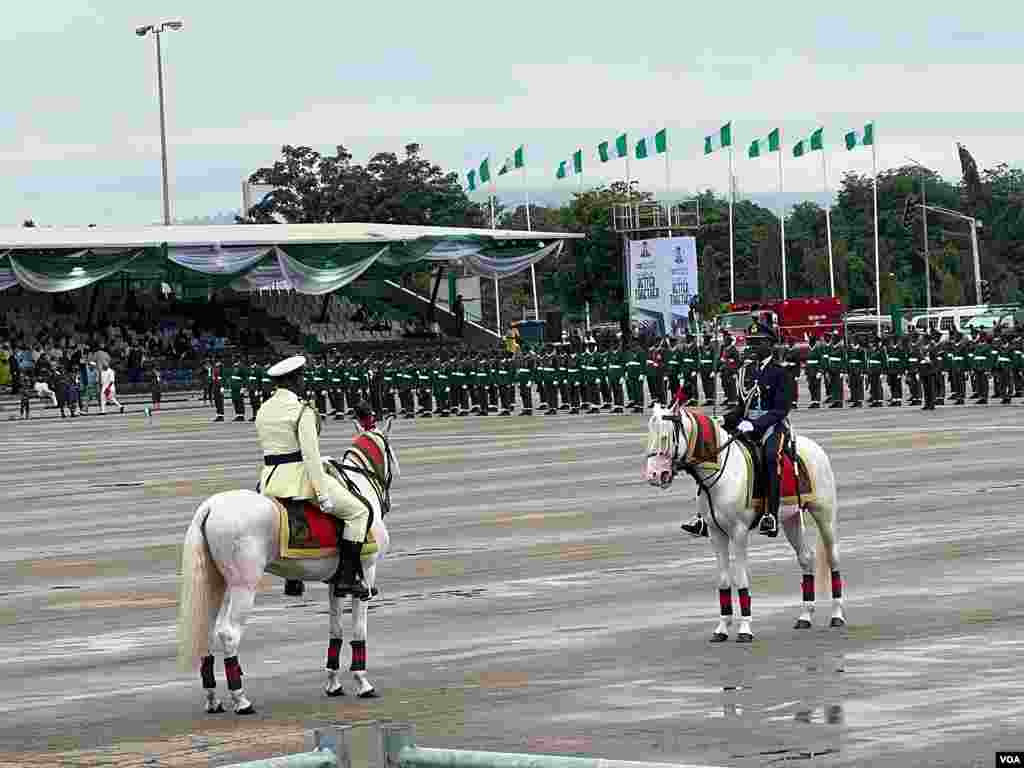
141	31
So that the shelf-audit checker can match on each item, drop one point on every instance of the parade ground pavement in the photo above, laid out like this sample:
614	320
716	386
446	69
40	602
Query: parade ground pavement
539	597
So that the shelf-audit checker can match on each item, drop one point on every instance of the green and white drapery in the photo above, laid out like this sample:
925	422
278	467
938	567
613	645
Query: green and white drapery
7	276
59	272
308	269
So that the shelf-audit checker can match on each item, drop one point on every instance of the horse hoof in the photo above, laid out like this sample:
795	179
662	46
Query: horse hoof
249	710
802	624
719	637
744	637
370	694
837	622
339	691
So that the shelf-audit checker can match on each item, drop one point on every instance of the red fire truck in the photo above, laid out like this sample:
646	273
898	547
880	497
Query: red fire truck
792	319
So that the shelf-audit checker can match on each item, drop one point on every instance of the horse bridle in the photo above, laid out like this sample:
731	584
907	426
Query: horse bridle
686	464
381	485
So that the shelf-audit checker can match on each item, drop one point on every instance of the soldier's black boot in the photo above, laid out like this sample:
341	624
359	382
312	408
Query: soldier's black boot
346	579
696	527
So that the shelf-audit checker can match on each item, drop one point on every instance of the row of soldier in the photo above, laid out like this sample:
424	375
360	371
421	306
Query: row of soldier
416	382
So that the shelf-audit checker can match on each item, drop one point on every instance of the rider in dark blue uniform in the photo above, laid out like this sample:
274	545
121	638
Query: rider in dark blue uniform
766	424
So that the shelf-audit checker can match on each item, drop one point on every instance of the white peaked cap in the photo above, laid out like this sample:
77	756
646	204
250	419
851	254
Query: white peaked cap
286	366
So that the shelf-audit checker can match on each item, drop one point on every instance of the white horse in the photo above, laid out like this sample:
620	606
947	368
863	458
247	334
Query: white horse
724	501
233	539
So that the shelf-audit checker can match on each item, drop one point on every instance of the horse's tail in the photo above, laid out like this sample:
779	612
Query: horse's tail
201	588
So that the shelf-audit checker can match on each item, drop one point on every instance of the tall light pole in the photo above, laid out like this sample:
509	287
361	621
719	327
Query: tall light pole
924	218
156	29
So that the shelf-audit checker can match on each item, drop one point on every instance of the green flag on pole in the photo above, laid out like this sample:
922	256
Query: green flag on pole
472	180
652	145
761	147
513	162
485	170
866	138
717	141
608	150
811	144
570	167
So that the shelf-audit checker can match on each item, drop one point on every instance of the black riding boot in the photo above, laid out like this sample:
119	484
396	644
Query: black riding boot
696	527
770	520
347	580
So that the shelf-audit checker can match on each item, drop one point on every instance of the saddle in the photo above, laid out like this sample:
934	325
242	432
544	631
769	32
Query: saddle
307	532
796	486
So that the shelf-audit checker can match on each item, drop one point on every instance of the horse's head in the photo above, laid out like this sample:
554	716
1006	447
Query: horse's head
666	431
373	441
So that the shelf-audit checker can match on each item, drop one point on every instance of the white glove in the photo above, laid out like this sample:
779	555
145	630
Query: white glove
326	503
745	426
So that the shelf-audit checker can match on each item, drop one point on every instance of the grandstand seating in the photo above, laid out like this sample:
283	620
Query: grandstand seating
304	311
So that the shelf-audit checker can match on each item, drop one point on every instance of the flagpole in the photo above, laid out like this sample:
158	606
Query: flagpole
533	271
497	298
782	223
732	245
828	223
629	197
874	191
668	190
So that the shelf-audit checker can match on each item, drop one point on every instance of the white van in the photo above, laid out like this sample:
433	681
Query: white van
945	320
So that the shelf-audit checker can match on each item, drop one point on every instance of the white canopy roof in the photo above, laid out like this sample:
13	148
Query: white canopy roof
23	238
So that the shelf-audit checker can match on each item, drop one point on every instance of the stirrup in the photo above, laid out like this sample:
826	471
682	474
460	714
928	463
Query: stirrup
696	527
769	526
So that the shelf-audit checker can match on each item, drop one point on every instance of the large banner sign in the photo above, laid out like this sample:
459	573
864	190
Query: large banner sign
662	282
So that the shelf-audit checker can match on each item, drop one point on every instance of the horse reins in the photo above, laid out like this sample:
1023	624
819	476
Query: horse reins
685	464
381	485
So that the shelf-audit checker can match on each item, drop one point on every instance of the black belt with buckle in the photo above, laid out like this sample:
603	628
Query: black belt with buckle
283	458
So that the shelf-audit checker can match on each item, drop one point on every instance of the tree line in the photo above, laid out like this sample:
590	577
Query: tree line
409	189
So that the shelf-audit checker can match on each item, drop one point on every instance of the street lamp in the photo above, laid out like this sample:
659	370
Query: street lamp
156	29
924	219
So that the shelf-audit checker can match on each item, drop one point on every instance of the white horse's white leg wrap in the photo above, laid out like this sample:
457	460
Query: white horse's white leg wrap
360	611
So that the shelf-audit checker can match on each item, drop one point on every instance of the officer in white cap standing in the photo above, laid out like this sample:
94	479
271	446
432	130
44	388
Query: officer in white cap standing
289	434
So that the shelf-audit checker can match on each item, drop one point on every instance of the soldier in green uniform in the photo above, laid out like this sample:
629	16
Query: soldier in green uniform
387	387
982	357
1003	369
602	359
1018	365
256	375
895	365
616	360
954	365
336	387
689	369
836	369
634	378
730	367
479	377
239	375
573	380
812	370
856	366
876	362
927	371
425	388
322	375
549	383
673	366
526	372
653	374
943	364
586	381
913	358
707	363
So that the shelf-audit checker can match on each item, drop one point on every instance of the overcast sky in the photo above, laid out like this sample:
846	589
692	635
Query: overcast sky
79	131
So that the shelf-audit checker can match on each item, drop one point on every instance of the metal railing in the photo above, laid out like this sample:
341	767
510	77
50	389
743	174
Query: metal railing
395	747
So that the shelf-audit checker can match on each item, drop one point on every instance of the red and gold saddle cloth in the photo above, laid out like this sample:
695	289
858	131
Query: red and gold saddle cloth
306	532
797	485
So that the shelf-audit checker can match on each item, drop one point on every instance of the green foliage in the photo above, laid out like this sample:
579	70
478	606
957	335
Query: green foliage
311	187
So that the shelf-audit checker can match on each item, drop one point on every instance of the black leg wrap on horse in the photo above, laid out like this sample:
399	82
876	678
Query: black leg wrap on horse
334	654
206	670
358	656
233	672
